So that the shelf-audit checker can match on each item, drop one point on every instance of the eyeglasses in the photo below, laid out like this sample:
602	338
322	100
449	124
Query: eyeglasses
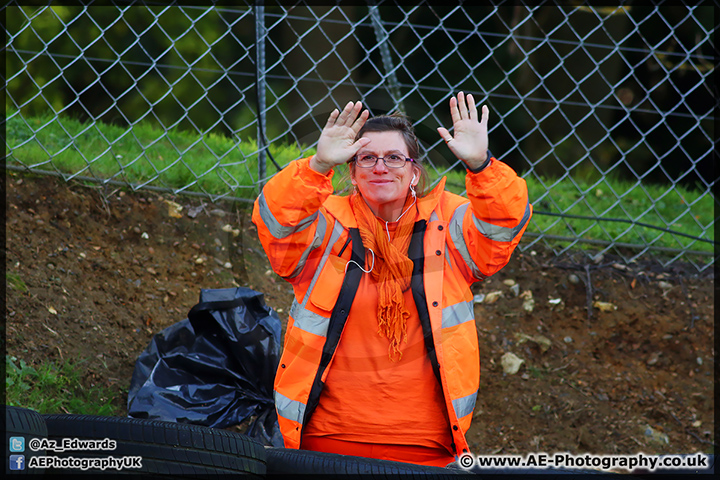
394	160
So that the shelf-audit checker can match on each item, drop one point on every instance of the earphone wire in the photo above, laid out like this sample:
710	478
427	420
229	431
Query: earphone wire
361	268
402	214
388	234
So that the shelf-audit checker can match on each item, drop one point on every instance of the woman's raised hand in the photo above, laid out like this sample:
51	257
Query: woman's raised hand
470	142
337	142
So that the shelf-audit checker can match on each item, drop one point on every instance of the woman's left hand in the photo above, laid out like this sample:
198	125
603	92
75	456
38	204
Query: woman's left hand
470	143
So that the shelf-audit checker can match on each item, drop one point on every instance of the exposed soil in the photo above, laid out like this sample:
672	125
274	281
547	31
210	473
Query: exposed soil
106	269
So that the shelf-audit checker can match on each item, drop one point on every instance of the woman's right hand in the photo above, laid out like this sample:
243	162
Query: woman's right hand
337	142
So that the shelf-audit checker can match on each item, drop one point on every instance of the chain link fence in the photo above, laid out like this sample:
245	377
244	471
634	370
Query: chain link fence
607	112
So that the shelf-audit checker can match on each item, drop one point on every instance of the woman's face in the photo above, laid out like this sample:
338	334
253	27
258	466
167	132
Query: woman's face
385	189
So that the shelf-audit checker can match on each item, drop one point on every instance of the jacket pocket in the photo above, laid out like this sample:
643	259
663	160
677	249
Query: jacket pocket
327	288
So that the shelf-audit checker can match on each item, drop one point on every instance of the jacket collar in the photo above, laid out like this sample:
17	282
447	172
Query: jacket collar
339	206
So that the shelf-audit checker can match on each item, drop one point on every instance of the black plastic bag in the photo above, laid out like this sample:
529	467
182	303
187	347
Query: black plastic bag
215	368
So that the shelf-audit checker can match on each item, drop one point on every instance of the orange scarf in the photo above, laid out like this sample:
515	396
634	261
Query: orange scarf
392	269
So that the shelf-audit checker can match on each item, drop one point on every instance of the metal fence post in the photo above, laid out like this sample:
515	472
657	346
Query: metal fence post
260	34
382	38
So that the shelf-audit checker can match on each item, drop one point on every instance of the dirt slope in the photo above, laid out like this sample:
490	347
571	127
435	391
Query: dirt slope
104	270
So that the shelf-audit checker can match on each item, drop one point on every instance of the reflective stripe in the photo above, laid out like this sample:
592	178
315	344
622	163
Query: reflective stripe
308	321
502	234
456	233
305	319
465	405
524	220
288	408
456	314
317	241
278	230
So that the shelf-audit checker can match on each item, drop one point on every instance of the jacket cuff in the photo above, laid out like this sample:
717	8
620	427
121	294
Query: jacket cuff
481	167
304	164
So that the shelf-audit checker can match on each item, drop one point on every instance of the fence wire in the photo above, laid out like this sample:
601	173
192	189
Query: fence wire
608	112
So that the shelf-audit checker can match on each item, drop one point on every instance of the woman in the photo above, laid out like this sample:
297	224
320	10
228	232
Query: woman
381	354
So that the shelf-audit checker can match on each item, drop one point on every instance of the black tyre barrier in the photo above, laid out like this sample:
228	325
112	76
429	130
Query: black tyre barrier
287	461
22	425
282	462
166	449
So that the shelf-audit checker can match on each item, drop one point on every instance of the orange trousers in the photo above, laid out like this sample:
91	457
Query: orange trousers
436	457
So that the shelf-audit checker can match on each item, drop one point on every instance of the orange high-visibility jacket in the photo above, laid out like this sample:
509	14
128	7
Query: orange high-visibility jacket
310	236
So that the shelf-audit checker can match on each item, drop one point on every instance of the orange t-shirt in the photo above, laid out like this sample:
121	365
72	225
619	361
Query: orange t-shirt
368	398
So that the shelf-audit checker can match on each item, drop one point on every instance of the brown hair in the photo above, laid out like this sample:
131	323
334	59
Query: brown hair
397	122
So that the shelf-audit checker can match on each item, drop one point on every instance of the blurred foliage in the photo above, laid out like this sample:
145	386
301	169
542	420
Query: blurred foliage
190	68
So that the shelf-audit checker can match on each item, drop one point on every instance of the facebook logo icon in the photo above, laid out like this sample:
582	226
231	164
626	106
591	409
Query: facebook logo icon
17	462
